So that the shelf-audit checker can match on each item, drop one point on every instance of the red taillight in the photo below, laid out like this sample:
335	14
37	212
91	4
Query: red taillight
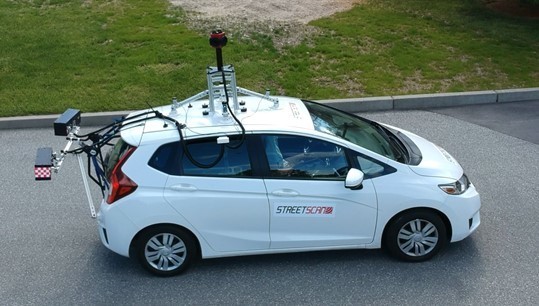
120	184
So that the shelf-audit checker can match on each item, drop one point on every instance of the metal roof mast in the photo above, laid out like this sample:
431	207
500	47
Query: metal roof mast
222	83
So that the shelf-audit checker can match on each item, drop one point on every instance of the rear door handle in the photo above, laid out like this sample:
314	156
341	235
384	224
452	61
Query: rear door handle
285	193
183	187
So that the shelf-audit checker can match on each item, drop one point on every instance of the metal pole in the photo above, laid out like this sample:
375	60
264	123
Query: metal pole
86	187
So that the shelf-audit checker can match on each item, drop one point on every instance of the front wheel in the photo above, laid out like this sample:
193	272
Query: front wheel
416	236
165	250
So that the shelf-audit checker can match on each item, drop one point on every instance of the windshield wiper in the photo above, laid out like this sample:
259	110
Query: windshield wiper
398	145
345	127
393	141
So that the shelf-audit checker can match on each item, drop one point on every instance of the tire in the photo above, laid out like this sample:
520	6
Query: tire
165	250
416	236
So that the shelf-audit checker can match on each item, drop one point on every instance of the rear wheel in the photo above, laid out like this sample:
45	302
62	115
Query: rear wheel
165	250
416	236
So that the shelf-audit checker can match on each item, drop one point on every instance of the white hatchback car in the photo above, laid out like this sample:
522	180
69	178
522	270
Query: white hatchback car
294	176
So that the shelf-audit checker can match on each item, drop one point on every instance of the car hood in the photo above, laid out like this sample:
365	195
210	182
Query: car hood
436	161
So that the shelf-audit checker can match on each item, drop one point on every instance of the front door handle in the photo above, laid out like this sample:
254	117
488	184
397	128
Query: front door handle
285	193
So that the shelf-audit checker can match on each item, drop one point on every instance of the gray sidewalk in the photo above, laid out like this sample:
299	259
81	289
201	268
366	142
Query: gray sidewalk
353	105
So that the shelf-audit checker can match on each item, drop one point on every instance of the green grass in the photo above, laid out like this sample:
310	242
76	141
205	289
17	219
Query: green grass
402	47
116	55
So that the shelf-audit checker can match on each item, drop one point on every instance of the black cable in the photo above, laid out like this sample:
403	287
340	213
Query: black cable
179	126
242	139
185	149
112	125
99	141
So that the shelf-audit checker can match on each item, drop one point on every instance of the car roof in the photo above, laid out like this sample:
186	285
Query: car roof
260	115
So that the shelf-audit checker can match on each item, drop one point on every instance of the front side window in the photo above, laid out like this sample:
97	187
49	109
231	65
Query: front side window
304	157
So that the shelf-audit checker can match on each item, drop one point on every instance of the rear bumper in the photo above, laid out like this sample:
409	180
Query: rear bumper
115	229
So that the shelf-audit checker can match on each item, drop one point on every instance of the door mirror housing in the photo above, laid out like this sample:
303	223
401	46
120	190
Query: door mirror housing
354	179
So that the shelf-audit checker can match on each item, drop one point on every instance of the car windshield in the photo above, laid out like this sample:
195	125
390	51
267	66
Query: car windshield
367	134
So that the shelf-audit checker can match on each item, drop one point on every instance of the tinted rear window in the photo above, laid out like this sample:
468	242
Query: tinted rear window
115	155
235	162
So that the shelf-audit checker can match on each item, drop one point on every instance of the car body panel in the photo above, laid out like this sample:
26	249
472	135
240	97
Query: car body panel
232	216
320	213
230	213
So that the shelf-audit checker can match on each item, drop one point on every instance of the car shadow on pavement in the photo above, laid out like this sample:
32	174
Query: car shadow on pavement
292	259
465	254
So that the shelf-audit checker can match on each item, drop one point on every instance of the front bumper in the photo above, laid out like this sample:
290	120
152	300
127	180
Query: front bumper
463	213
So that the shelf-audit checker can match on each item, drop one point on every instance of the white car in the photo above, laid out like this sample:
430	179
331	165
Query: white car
294	176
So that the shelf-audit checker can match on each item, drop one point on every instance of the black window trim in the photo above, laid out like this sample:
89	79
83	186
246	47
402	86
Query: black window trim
259	162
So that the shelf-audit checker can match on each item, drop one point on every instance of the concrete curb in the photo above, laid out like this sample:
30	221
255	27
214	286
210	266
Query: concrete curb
356	105
434	100
43	121
444	99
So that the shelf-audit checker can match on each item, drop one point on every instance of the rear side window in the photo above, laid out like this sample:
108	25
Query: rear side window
115	155
165	159
171	159
234	161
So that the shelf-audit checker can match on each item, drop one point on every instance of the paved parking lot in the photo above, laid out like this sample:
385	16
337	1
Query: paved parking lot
518	119
51	254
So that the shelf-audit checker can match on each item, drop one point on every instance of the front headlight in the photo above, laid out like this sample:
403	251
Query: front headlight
456	188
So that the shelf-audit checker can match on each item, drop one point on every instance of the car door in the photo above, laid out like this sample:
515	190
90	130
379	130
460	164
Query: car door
224	203
310	207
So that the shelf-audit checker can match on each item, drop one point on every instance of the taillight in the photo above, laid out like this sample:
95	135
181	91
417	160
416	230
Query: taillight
120	184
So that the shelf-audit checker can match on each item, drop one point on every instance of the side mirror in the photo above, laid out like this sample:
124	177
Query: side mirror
354	179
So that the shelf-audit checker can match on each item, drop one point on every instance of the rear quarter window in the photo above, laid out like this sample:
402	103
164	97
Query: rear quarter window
165	159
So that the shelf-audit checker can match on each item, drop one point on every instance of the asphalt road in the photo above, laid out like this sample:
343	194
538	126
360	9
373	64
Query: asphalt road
51	253
518	119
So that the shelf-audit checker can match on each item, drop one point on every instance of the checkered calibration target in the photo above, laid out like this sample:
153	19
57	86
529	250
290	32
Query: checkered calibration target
42	173
43	164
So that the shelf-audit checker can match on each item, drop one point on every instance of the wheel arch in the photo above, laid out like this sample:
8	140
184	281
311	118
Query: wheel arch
134	241
445	220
